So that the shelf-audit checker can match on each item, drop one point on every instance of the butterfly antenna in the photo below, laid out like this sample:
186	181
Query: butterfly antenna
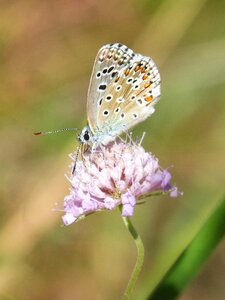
55	131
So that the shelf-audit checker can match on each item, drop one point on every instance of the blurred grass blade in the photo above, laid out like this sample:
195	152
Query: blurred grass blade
193	257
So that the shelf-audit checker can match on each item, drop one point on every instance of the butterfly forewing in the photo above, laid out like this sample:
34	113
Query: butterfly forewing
109	61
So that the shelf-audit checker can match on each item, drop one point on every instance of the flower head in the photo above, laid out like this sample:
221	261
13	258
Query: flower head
117	174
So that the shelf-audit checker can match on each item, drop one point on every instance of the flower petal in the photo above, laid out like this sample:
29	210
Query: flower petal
127	210
68	219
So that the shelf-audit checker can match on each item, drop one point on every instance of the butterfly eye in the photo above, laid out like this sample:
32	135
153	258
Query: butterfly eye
86	136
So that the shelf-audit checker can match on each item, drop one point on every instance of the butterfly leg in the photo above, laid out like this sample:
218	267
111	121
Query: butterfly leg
142	138
84	149
76	158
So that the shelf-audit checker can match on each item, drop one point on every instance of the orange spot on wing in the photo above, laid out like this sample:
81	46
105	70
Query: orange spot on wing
147	85
127	72
117	78
144	76
137	68
143	70
148	98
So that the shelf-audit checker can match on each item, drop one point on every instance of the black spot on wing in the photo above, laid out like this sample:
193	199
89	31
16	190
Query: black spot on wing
110	69
102	87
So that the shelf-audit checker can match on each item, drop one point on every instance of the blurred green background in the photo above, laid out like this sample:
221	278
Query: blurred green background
47	50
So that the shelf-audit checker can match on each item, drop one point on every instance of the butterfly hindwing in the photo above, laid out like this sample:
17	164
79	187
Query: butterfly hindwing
129	98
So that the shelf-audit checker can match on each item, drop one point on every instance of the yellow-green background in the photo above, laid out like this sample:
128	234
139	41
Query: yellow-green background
47	49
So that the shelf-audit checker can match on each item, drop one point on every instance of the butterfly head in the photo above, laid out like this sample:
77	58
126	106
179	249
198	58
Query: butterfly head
86	136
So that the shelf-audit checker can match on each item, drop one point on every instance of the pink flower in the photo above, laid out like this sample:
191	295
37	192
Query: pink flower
117	174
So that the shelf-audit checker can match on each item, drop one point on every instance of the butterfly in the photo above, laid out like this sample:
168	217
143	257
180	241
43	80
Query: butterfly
123	90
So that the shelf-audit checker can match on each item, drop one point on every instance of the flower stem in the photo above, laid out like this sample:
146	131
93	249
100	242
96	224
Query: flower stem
139	261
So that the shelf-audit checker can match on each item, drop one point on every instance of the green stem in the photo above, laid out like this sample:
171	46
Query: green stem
193	257
139	261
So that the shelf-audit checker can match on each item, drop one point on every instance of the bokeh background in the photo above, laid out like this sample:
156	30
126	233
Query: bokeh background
47	49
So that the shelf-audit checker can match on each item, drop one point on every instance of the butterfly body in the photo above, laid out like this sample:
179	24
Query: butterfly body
106	135
123	89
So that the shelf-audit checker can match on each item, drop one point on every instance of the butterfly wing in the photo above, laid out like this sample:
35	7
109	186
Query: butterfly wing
110	60
130	96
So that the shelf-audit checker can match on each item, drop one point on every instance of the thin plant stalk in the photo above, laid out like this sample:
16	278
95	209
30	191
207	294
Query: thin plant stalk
139	261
